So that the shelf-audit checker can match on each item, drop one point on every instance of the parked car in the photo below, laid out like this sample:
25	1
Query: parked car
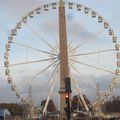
5	114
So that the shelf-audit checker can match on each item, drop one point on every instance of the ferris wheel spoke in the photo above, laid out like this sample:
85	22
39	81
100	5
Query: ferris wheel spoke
77	31
41	38
35	49
24	82
54	74
80	94
86	41
44	69
91	53
50	93
100	31
54	71
95	67
89	82
57	45
30	62
78	46
80	74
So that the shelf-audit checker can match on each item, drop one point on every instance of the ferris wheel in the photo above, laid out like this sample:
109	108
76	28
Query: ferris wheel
32	52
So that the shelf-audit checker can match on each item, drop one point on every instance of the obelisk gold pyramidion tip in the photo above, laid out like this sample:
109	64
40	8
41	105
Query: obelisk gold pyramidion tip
61	3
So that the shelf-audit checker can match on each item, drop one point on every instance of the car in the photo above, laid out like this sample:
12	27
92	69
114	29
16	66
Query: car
5	114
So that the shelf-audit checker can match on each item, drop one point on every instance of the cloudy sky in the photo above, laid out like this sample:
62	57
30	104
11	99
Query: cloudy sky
11	12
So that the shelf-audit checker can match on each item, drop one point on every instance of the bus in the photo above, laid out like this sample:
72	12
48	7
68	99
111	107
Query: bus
5	114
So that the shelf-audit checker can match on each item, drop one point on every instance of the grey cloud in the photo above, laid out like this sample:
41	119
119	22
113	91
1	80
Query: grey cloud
85	34
19	8
70	16
104	82
40	88
6	95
